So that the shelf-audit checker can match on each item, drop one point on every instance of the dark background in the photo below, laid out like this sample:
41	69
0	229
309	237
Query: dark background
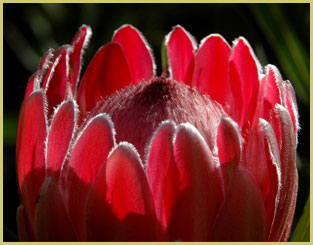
278	33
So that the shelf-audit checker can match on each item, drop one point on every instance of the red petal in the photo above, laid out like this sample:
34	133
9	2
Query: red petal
51	218
289	175
56	78
229	141
201	188
79	43
119	214
30	151
273	93
137	53
211	73
180	51
60	134
99	217
274	173
32	84
162	173
36	79
46	59
244	83
242	215
89	153
107	72
291	106
23	230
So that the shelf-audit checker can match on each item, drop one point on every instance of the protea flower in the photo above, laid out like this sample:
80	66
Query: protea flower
206	154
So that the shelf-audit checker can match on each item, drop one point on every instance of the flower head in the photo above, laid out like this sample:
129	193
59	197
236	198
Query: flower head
206	154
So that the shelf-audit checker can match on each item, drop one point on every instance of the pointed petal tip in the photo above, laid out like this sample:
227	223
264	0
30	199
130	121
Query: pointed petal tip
242	41
216	36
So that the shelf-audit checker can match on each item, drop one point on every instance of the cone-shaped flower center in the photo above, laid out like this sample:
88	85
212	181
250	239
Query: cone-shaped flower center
137	110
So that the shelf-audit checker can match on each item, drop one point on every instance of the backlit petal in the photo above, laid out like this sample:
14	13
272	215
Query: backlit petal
162	173
60	134
137	52
244	79
180	50
90	152
211	73
79	43
120	204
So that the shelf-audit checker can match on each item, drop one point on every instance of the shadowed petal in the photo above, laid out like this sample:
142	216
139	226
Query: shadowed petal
242	215
30	151
162	173
51	217
107	72
120	205
23	230
201	189
89	152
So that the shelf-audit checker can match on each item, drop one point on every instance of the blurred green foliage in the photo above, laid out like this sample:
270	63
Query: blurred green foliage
302	231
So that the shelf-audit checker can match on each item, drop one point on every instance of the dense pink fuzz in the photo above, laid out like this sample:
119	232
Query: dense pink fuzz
138	110
208	154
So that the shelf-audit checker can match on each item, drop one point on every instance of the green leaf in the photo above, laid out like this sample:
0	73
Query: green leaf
164	56
302	231
293	58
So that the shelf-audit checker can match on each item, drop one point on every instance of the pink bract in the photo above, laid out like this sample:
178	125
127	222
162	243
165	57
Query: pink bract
206	154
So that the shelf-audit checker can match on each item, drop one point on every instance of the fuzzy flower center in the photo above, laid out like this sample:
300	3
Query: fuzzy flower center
137	110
